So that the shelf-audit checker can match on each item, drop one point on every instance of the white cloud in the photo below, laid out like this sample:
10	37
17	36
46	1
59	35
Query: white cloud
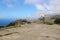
39	7
53	6
32	1
8	3
36	3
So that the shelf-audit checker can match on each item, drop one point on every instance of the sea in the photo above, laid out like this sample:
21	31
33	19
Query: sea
4	22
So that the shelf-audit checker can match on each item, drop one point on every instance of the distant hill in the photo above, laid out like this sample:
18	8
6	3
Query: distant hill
55	16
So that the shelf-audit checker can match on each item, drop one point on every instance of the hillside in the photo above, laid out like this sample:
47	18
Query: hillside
18	22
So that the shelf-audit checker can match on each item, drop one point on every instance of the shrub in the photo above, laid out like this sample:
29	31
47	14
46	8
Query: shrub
29	22
57	21
2	27
49	22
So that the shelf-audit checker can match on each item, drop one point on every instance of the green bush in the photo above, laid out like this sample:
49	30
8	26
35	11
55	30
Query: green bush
57	21
49	22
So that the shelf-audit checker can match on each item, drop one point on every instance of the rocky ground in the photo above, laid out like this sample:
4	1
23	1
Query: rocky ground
32	32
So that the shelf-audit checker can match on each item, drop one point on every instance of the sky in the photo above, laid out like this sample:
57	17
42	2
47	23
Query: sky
28	8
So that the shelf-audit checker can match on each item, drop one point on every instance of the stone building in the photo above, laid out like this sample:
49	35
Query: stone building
42	17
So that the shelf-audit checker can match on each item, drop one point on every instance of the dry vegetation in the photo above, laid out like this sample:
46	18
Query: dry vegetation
20	22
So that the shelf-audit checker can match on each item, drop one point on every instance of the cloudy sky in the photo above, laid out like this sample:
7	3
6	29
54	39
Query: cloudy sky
27	8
